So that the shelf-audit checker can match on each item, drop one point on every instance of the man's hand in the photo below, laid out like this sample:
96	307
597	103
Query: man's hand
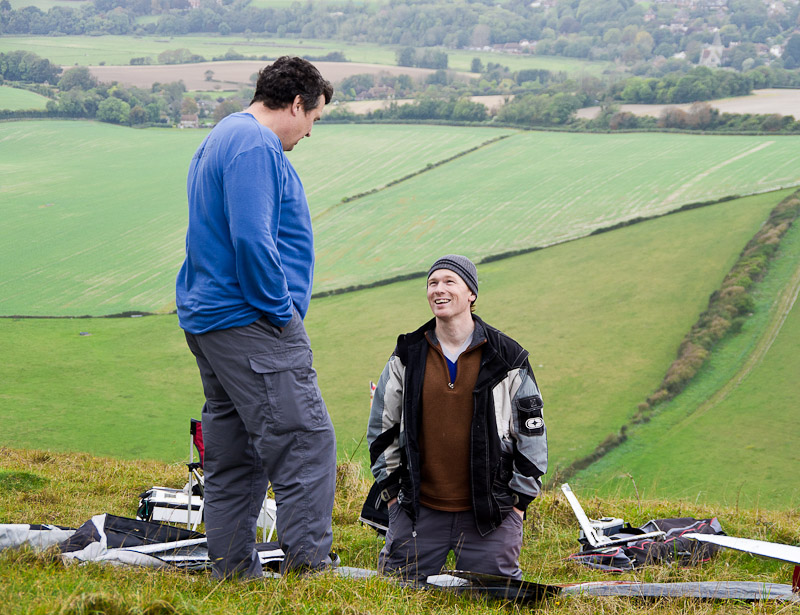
519	512
391	502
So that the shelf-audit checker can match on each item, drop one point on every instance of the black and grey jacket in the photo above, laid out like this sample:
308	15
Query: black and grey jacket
508	442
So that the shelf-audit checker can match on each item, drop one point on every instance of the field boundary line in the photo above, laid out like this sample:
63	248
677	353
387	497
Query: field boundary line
429	167
510	254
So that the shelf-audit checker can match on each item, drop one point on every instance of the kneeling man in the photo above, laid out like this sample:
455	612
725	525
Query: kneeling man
457	437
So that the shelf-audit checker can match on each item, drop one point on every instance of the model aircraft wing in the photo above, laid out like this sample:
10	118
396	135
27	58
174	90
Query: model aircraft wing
772	550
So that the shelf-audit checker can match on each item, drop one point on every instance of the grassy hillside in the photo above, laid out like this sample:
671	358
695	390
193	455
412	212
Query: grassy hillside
76	240
602	317
101	229
16	99
67	489
730	436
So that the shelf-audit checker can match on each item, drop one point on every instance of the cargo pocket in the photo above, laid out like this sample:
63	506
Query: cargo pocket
292	391
529	415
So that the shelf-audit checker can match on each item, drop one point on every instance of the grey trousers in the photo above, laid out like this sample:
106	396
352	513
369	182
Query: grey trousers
437	533
264	420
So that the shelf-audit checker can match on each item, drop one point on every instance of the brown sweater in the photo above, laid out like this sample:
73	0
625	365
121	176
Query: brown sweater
445	431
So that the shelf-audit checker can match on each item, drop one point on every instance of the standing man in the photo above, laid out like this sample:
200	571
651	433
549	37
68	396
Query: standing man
242	294
457	437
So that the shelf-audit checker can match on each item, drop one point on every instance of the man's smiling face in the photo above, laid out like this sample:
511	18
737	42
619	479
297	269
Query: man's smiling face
448	294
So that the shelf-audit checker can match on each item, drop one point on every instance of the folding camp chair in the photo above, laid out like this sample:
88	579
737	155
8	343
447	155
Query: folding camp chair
195	476
186	505
267	516
167	505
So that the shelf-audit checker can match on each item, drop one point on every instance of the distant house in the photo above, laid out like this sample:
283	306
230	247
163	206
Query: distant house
681	17
776	9
189	121
712	5
376	92
762	50
676	28
697	4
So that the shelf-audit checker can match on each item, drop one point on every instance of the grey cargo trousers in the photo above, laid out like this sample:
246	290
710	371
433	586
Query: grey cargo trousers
264	420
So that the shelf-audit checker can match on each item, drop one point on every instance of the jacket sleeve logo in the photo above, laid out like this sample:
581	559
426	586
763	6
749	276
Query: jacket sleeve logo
534	423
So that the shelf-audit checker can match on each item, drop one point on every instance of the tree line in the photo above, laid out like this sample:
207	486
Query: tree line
75	93
535	98
539	98
612	30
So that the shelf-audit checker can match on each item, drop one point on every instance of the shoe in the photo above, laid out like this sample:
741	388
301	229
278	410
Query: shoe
305	570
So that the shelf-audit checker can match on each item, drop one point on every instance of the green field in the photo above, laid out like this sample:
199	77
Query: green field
100	231
16	99
46	5
536	189
601	316
732	435
344	161
461	59
94	214
118	50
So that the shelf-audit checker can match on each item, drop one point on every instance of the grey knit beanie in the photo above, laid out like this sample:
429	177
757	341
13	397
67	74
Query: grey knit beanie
464	267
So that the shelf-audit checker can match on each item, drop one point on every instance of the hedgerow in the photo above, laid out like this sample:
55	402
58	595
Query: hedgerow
728	307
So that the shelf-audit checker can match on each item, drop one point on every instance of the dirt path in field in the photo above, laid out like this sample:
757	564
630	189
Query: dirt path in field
783	306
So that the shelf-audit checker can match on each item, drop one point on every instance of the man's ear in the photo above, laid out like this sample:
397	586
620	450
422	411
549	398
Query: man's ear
297	105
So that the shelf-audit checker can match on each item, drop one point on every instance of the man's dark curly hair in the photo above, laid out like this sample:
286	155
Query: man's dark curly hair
278	84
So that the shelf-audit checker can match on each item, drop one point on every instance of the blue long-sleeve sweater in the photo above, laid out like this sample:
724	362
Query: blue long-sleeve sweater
249	244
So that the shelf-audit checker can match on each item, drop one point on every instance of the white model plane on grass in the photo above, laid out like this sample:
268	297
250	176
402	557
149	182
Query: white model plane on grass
592	532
